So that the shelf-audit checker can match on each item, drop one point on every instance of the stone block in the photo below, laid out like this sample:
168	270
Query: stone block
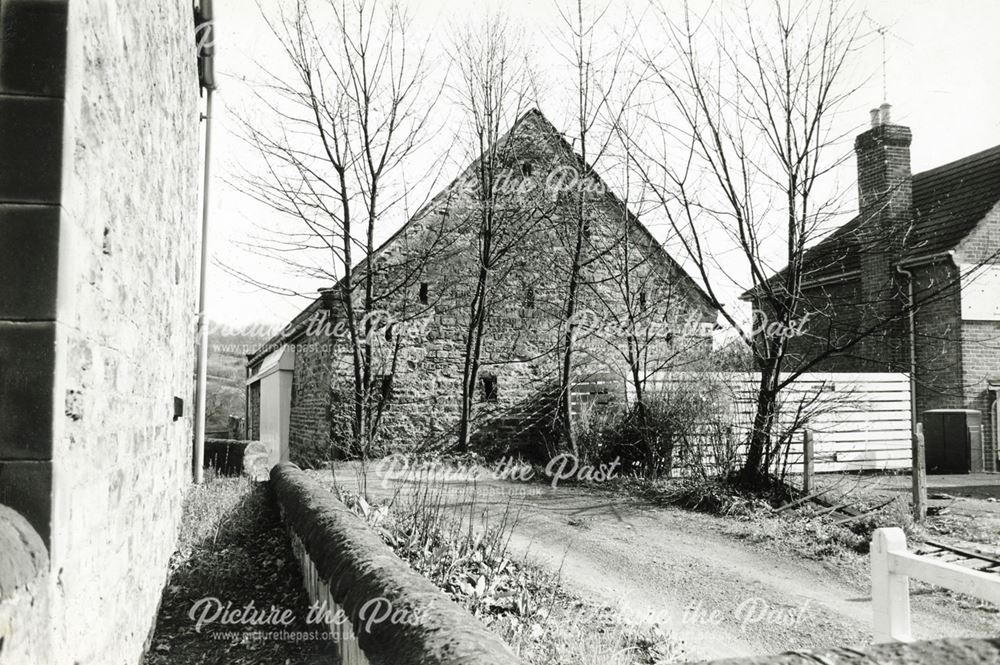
30	149
29	261
26	486
27	361
33	46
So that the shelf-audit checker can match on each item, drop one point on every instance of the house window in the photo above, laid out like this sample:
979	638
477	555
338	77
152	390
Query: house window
526	169
423	293
490	392
529	298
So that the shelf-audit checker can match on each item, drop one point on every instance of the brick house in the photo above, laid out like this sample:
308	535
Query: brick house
930	238
427	271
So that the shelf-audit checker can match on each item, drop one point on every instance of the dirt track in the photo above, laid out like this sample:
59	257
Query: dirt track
718	595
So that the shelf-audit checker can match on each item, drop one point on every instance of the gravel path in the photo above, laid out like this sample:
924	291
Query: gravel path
720	596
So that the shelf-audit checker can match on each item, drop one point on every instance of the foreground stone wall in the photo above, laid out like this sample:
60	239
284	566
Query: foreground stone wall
127	321
937	652
354	568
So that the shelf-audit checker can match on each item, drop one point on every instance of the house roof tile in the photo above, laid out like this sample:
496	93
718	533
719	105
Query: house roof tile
948	203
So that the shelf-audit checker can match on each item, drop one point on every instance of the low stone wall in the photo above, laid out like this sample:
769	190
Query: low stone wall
24	579
348	565
936	652
226	456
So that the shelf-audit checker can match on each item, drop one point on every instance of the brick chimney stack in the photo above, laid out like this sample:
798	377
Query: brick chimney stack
885	205
885	188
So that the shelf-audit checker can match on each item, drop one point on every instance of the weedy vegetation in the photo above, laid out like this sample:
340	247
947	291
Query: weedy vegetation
461	542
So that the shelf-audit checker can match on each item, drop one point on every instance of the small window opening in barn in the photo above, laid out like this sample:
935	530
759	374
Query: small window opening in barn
490	390
526	169
423	292
385	387
529	298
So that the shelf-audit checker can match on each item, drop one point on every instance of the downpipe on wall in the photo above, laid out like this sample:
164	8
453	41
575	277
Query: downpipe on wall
905	268
205	40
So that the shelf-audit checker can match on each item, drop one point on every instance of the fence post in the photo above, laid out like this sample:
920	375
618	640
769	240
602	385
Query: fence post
890	592
919	476
808	457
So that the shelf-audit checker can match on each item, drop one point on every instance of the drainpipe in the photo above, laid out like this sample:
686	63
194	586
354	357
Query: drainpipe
913	345
205	35
911	315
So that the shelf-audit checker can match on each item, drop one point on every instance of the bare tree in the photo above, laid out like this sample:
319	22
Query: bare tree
745	153
495	88
335	139
753	119
595	66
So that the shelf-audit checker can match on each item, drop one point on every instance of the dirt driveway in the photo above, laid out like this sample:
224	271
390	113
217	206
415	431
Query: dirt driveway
718	595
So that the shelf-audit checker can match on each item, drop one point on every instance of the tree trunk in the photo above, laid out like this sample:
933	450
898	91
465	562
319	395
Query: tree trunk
754	472
473	349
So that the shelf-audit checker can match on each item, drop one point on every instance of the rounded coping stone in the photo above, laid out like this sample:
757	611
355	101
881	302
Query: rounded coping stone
23	557
359	567
933	652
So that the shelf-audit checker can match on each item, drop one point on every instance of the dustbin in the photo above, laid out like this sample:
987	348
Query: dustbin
953	440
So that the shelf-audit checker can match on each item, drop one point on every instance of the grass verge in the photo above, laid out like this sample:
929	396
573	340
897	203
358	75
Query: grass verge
232	548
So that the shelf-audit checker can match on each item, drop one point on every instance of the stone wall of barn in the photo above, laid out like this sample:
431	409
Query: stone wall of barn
310	426
426	277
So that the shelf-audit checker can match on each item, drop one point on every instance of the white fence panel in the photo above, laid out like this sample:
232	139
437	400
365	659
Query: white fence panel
892	566
860	420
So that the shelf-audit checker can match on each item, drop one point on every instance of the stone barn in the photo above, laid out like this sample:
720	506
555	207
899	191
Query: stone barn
425	275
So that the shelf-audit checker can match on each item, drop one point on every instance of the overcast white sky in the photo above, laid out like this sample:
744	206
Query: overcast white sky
942	79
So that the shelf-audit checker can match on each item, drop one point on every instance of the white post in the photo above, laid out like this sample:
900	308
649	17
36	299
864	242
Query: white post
890	592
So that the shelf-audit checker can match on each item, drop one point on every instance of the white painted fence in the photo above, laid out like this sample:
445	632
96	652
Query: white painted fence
334	617
892	567
859	420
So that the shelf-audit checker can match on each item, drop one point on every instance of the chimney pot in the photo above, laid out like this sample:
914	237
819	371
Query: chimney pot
875	116
885	109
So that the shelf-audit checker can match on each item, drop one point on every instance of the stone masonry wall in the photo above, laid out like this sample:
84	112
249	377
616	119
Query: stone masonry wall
126	321
309	421
423	350
24	578
347	563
